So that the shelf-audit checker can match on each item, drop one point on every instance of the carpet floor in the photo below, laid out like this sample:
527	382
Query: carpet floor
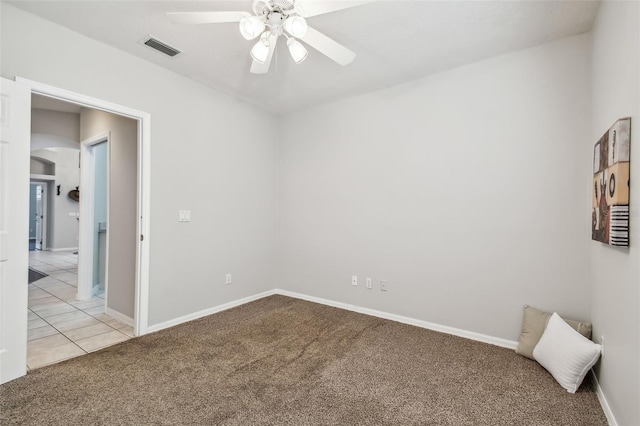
283	361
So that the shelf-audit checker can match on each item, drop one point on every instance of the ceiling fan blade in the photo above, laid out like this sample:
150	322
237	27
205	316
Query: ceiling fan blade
263	68
308	8
328	47
205	17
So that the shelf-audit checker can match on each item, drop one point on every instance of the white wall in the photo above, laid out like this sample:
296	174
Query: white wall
210	153
123	178
615	278
463	189
54	129
62	229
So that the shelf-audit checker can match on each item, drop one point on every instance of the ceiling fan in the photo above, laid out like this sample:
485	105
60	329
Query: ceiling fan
275	18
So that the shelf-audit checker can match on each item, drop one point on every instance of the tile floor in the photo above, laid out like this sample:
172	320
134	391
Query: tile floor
59	326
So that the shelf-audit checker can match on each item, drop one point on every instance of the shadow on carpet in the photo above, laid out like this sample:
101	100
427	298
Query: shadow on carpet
283	361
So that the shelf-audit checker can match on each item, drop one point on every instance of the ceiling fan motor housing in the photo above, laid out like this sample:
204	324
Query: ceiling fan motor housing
264	7
275	19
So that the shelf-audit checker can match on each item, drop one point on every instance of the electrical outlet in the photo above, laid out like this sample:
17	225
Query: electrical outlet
383	285
354	280
228	279
369	283
601	345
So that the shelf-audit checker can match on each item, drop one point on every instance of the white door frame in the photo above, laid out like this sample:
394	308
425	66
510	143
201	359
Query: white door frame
141	309
86	240
43	221
47	183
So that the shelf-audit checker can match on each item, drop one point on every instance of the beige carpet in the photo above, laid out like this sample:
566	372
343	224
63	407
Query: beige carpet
282	361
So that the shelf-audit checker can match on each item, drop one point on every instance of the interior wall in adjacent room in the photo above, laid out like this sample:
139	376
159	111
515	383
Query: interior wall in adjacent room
62	221
122	205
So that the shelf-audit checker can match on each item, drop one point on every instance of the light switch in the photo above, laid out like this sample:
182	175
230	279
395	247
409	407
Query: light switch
184	215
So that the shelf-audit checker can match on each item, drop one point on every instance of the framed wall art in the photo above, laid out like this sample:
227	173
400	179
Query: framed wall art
610	190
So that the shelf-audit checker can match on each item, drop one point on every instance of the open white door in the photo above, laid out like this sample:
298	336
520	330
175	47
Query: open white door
15	128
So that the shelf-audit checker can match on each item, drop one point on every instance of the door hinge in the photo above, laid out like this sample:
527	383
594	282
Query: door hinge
141	237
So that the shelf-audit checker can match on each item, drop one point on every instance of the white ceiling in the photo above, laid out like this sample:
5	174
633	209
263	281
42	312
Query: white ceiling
396	41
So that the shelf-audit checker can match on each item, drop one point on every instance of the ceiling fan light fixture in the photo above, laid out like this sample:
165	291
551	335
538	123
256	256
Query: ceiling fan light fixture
296	26
251	27
260	51
297	50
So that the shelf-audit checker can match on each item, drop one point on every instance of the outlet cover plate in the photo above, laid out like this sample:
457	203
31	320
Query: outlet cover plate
383	285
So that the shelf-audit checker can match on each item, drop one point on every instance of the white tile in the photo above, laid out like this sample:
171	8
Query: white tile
103	317
64	275
47	269
83	304
40	332
60	353
86	332
102	340
114	323
36	323
68	316
37	293
78	323
46	343
43	301
128	330
53	285
95	310
66	294
46	282
63	309
73	282
46	306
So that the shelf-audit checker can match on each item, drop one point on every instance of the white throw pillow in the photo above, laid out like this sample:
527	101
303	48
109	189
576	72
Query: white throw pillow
565	353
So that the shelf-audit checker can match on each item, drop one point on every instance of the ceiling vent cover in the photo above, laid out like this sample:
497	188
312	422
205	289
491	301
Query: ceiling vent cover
161	47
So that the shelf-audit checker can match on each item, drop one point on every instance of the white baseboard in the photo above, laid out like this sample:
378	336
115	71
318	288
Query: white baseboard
208	311
63	249
497	341
603	401
120	317
484	338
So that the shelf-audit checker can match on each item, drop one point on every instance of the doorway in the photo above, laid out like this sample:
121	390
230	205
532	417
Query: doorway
70	311
143	185
12	351
94	209
37	216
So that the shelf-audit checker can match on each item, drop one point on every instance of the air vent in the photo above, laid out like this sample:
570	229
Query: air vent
162	47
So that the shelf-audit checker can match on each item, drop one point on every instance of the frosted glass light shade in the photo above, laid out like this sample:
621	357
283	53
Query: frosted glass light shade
296	26
251	27
297	50
260	52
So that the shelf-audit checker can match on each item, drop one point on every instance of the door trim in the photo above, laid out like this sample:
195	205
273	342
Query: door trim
45	203
144	186
86	240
